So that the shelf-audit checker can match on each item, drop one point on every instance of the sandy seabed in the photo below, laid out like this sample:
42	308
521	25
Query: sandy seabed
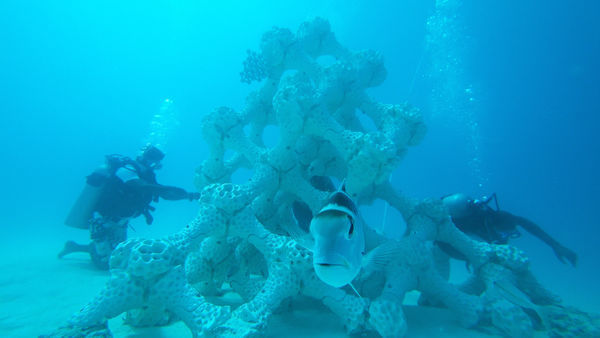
38	293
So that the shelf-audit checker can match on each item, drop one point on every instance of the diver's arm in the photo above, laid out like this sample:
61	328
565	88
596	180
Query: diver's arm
175	193
535	230
172	193
561	252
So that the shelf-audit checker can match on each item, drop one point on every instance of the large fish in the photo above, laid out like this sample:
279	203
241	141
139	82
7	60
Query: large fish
338	239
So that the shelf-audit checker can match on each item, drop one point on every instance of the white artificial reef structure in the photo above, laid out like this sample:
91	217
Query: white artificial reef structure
313	90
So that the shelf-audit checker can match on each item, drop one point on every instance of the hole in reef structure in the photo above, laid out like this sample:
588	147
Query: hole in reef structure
365	120
228	154
241	176
270	136
389	223
326	60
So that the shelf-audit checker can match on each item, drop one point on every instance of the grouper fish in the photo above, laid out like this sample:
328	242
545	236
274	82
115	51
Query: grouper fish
338	239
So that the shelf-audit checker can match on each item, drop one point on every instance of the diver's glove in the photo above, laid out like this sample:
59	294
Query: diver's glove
563	254
192	196
148	217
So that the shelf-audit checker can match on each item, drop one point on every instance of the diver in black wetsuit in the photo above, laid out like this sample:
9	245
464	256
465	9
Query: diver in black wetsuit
110	202
477	217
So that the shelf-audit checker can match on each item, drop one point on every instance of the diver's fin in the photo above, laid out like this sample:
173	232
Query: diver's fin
381	256
71	247
302	214
512	294
322	183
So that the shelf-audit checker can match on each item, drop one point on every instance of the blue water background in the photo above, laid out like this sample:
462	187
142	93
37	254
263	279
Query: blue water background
79	80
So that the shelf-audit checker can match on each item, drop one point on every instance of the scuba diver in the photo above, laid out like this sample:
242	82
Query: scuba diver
492	225
108	201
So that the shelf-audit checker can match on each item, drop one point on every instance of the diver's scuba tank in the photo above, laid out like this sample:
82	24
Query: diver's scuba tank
458	205
83	210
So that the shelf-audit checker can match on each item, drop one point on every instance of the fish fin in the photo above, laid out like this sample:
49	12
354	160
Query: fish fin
356	291
343	186
299	229
302	215
322	183
382	255
306	241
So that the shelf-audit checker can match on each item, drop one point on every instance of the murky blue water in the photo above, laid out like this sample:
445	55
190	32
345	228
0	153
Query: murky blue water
509	91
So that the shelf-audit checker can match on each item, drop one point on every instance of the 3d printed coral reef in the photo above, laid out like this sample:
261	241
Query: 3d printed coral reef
313	90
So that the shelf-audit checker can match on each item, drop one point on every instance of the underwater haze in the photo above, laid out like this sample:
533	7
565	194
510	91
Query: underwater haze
508	90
